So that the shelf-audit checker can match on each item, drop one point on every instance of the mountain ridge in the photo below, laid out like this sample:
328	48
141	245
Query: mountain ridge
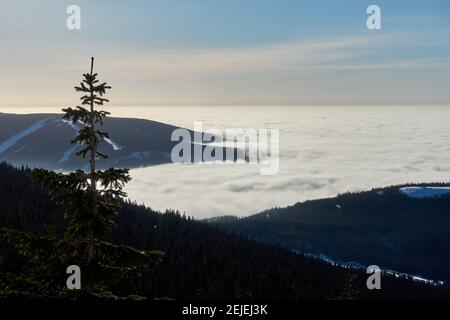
40	140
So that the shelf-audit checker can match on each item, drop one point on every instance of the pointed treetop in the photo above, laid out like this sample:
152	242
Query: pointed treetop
92	65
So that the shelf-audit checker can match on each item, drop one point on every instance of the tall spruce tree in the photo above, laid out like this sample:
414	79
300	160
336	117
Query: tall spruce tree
92	198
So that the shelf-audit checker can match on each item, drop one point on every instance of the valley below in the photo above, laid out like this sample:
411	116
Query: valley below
404	228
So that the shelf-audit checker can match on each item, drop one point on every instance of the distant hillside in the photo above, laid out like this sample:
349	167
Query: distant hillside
386	227
41	140
201	262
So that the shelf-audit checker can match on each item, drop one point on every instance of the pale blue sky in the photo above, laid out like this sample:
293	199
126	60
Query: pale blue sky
203	52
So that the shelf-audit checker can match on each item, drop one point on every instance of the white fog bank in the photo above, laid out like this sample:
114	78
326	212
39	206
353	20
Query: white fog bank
324	151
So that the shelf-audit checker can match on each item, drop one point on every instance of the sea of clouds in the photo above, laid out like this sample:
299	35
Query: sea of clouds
324	151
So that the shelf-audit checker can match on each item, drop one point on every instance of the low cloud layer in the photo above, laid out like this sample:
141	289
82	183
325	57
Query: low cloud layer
324	151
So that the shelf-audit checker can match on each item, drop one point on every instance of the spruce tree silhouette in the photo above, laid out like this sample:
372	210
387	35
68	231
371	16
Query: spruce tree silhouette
91	199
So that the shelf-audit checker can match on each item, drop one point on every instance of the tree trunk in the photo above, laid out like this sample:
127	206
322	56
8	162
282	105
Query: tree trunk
91	239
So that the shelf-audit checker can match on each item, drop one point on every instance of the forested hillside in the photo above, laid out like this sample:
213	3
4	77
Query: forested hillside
200	262
383	227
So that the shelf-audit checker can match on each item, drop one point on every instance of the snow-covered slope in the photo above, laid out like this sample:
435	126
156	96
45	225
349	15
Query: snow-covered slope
9	143
425	192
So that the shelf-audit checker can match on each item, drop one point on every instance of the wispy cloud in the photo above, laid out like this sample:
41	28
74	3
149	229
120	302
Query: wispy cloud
349	53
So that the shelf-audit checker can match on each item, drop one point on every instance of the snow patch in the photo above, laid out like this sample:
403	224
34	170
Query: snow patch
73	125
427	281
76	127
359	266
67	154
140	154
424	192
114	145
22	134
